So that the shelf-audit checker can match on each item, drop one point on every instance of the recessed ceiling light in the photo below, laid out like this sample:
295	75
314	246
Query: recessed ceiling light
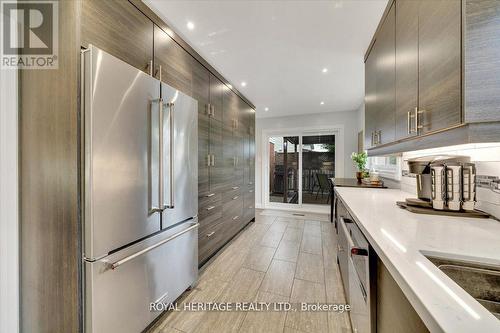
324	70
243	84
266	109
322	103
190	25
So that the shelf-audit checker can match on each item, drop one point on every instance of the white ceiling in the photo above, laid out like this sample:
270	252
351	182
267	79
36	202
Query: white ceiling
279	48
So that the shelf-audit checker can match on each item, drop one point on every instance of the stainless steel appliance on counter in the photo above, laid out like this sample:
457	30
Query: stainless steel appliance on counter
140	238
357	264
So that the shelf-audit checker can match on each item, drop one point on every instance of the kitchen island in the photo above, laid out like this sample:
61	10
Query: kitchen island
402	240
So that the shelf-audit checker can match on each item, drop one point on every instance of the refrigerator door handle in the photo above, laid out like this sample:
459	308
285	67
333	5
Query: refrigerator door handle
161	183
171	157
118	263
159	207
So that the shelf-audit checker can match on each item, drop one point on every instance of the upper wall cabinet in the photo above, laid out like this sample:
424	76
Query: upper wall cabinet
380	85
172	64
129	27
428	90
439	65
482	60
406	67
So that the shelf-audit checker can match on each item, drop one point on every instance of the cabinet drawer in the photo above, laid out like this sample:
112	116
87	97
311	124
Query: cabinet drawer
209	199
233	194
210	239
209	214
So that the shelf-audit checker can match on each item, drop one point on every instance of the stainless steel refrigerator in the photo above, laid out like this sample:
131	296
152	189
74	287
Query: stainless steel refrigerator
139	200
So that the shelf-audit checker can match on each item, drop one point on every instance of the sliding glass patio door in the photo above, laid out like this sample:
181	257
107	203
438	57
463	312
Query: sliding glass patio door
299	168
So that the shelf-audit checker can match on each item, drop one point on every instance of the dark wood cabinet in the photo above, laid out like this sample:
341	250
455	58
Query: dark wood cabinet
406	67
413	74
439	64
172	64
118	28
381	63
482	61
386	80
370	97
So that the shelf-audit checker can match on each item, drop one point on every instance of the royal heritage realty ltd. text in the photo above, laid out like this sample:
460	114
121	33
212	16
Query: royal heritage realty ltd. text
250	307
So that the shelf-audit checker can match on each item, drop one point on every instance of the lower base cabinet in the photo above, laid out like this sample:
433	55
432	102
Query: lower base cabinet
221	217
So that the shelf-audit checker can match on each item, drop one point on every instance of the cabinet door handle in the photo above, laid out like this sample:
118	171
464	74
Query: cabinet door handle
208	159
379	136
408	131
150	67
235	187
251	191
236	217
210	208
236	197
210	195
210	234
372	142
158	73
213	110
207	109
213	160
418	124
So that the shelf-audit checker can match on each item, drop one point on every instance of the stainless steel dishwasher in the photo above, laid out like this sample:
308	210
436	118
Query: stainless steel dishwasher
357	262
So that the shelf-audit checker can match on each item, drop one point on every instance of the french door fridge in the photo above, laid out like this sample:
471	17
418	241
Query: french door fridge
139	194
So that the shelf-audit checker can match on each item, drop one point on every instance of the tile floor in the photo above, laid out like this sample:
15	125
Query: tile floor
275	259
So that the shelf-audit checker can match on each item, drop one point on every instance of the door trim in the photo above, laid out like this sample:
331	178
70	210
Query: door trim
337	130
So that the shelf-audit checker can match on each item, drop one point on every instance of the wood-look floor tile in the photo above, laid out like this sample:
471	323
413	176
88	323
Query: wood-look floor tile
279	278
263	219
287	250
293	234
243	288
327	227
312	322
271	239
268	321
278	226
312	230
310	267
259	258
311	244
186	321
226	266
296	224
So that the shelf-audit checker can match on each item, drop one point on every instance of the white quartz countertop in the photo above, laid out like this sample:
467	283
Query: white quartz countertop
400	237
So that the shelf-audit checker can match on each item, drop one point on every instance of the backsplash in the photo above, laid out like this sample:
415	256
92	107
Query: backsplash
486	157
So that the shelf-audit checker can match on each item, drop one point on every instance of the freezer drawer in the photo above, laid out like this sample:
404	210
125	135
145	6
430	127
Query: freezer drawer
118	299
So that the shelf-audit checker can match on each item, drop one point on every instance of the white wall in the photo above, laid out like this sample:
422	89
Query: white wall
361	117
9	271
348	120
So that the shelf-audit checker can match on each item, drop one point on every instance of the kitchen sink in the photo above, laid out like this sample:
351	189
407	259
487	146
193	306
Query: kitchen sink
481	281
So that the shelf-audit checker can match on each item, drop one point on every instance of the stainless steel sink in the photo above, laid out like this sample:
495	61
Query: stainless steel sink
481	281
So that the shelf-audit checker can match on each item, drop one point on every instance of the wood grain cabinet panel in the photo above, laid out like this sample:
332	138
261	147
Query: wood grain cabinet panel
172	62
386	80
482	60
201	92
439	63
216	93
406	67
370	96
118	28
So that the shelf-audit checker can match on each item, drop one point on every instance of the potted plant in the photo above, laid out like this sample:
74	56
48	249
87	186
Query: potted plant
359	160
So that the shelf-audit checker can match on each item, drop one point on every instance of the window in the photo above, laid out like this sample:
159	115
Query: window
386	166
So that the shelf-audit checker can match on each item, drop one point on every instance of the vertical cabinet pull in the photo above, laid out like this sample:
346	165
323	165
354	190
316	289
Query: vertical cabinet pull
208	160
213	160
158	73
150	67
